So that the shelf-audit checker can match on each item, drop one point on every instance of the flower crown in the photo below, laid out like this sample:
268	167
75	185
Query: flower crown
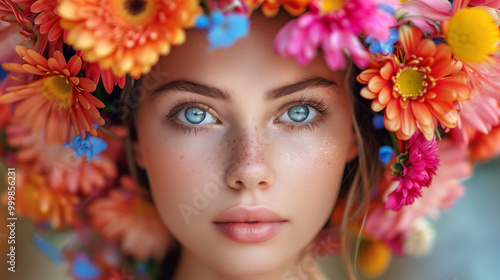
430	67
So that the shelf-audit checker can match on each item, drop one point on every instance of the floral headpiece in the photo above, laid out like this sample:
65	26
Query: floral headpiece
430	67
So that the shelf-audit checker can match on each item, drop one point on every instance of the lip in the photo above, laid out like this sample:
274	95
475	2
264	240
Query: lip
249	224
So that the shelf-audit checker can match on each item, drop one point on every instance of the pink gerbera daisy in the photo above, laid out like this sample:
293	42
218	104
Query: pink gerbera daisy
415	169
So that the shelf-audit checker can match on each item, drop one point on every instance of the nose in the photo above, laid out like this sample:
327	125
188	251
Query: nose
250	166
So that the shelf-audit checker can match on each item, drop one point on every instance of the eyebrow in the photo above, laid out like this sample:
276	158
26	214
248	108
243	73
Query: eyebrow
224	95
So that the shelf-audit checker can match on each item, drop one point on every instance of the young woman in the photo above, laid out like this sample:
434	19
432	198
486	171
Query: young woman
245	153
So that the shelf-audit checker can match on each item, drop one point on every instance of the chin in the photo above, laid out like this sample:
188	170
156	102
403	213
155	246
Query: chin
250	260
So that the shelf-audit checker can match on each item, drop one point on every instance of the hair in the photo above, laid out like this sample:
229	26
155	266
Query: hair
359	178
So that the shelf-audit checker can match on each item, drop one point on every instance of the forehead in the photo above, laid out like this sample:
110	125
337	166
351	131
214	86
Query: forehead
250	62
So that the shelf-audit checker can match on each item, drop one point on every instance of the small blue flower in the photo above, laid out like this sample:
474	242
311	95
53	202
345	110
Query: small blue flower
90	146
83	267
223	30
378	122
383	47
385	154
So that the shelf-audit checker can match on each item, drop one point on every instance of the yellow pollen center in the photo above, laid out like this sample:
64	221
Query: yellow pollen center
134	12
410	83
332	5
403	1
472	35
58	89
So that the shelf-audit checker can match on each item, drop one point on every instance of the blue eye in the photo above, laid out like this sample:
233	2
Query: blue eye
195	115
299	113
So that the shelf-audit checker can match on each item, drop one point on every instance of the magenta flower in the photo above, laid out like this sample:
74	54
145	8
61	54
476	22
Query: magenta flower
335	31
414	170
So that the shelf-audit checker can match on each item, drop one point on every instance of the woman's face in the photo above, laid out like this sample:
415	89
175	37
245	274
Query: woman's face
240	135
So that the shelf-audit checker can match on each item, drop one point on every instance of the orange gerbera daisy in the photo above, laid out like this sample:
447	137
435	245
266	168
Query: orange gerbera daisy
271	7
126	35
419	84
40	203
56	98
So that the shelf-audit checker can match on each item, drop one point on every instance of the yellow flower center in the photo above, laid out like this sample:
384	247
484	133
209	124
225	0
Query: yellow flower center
58	89
332	5
374	257
403	1
134	12
472	35
410	83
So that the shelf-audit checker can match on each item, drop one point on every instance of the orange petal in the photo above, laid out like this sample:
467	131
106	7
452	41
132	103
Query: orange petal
13	67
392	125
54	65
409	37
408	124
376	106
59	57
388	70
426	48
74	65
366	93
393	109
86	84
422	114
385	95
444	65
365	76
32	70
444	112
376	84
37	58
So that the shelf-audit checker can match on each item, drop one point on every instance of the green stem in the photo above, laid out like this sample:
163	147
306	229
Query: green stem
395	143
438	135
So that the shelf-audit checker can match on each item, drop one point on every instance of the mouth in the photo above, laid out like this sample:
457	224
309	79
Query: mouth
250	231
249	224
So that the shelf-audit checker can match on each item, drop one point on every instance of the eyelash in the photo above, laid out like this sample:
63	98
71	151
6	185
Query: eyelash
315	103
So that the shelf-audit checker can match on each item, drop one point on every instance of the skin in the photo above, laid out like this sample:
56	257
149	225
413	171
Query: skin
249	155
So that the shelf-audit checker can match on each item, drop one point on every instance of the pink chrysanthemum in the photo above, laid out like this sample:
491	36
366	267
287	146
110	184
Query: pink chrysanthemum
125	215
416	168
444	191
335	28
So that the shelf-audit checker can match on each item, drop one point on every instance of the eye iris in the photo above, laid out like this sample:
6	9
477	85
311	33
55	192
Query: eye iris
298	113
195	115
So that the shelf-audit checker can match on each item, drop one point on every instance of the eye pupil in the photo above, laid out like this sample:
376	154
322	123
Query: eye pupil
195	115
298	113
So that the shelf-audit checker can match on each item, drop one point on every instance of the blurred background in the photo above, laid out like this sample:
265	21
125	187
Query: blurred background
467	245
